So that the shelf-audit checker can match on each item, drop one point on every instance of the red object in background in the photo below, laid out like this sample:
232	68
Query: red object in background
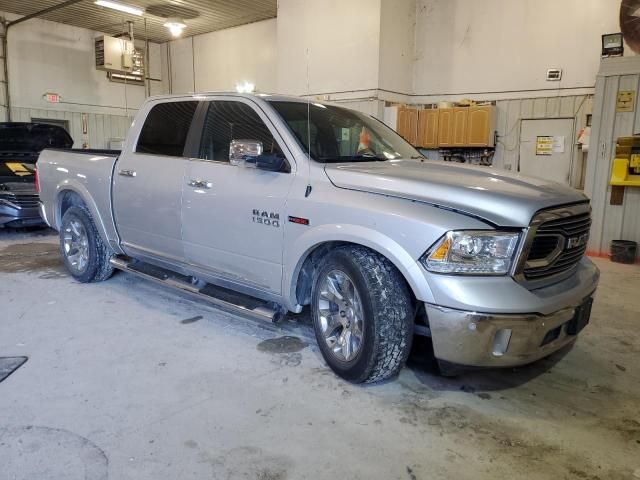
35	174
364	140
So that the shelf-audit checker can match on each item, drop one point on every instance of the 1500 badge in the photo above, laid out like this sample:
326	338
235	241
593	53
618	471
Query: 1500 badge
266	218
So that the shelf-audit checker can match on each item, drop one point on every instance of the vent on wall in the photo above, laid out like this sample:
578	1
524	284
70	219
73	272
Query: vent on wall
554	75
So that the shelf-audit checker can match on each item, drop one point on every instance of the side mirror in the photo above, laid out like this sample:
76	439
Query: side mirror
242	150
250	153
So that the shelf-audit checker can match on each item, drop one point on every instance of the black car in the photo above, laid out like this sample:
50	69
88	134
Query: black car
20	145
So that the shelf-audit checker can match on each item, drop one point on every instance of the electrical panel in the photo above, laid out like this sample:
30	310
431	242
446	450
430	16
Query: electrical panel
114	54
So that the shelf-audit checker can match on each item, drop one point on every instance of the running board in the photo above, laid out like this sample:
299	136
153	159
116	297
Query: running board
222	298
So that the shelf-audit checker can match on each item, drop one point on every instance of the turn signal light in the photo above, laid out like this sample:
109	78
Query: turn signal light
37	179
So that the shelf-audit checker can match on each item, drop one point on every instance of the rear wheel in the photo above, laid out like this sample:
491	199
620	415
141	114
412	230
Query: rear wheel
363	315
86	257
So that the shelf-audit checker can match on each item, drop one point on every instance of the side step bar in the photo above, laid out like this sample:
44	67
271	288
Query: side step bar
222	298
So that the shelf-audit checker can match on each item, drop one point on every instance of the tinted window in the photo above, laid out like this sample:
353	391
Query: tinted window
32	137
226	121
165	129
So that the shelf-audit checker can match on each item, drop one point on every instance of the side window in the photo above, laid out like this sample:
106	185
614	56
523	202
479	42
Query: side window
165	129
226	121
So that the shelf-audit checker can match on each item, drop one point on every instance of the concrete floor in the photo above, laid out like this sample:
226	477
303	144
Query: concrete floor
128	380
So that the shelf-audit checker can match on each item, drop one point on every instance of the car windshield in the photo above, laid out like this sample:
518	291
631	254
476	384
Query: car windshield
333	134
32	137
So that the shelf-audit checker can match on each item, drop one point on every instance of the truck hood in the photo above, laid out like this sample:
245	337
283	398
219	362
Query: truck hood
499	197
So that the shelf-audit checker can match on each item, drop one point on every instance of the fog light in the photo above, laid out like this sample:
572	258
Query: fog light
501	342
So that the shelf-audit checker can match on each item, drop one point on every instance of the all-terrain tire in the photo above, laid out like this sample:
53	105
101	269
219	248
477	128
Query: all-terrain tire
98	267
388	314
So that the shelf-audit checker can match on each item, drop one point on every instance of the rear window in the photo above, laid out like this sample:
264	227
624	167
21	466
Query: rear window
165	130
32	137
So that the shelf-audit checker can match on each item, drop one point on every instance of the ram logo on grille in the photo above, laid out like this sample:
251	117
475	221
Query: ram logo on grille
578	241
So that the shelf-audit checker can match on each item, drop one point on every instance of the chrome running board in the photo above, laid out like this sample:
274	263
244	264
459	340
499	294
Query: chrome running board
222	298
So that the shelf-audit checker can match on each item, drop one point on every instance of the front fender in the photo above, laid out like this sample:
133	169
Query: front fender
296	254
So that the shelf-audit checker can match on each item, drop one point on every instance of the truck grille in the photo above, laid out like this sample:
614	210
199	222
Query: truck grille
20	201
559	242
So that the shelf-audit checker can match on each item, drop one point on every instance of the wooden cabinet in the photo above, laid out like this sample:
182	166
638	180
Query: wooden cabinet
481	126
408	124
460	117
445	127
428	128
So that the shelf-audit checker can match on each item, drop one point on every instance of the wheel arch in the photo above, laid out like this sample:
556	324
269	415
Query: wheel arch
312	247
71	195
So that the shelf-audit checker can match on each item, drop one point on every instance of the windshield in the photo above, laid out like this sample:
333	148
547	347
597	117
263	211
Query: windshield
334	134
32	137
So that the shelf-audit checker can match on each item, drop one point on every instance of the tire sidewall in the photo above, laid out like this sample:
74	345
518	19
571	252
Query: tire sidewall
83	217
358	369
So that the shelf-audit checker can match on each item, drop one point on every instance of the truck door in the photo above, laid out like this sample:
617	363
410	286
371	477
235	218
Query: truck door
147	184
233	216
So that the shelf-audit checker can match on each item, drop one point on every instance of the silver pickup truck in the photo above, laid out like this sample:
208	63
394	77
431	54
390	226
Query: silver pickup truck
265	204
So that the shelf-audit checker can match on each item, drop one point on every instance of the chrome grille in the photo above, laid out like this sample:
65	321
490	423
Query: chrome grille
558	241
20	201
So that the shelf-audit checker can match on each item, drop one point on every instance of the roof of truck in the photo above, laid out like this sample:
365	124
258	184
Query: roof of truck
260	95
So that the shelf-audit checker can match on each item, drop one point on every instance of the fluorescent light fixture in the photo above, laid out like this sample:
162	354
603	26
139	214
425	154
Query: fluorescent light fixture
120	7
175	26
246	87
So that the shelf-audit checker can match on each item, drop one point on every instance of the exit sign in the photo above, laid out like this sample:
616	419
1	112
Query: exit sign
52	97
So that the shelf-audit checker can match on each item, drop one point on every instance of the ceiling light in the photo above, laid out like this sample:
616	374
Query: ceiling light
175	26
245	87
120	7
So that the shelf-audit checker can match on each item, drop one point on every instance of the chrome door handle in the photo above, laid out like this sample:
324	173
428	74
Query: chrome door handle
127	173
200	183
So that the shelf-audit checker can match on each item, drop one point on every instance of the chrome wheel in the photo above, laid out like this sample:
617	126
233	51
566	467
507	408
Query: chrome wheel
75	243
340	315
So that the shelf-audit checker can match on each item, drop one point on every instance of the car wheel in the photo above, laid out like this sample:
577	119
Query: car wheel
362	314
85	255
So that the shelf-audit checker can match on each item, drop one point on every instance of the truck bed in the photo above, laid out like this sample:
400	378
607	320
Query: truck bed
86	173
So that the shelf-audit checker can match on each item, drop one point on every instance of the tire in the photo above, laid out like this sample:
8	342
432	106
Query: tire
383	301
88	259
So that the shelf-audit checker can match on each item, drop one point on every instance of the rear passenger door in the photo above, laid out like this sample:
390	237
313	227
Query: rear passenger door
233	216
148	180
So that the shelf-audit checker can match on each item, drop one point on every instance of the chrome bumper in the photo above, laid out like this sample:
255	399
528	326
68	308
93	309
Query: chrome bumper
497	340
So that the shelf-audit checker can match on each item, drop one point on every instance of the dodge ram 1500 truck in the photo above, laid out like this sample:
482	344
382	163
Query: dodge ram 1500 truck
265	204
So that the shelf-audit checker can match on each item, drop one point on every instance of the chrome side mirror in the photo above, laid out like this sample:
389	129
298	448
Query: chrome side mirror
241	151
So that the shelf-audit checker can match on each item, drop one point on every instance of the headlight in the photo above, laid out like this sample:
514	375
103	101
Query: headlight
472	253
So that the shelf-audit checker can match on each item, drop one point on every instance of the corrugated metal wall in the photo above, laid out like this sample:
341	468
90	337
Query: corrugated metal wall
612	222
510	114
100	128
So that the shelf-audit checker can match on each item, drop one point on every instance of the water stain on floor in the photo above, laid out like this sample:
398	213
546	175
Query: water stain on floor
42	258
27	452
284	344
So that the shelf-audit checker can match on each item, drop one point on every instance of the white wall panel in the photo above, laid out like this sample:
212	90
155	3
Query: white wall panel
236	55
467	47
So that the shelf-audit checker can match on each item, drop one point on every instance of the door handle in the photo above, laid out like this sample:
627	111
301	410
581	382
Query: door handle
200	183
127	173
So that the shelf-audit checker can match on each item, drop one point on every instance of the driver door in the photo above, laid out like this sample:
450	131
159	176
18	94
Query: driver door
233	216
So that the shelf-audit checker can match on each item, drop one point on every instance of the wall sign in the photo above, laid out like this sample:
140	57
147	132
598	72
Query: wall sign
52	97
548	145
626	101
544	145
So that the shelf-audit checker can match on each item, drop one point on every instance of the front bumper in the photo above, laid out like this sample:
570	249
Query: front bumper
482	337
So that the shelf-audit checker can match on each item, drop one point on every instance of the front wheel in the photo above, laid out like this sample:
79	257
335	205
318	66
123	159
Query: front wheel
86	257
362	315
